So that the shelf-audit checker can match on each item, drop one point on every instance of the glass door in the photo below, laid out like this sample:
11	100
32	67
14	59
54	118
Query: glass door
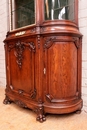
59	9
22	13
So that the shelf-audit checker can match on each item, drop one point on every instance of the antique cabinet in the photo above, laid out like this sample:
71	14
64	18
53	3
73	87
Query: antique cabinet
43	50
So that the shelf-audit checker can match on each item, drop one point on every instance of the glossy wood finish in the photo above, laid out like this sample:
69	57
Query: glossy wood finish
43	66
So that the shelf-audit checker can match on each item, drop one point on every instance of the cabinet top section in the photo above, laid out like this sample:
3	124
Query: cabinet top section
24	13
48	28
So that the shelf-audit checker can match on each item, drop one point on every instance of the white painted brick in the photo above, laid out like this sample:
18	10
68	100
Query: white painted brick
2	47
82	4
84	74
82	13
83	22
84	97
2	71
84	91
84	82
2	75
2	82
83	30
2	66
84	55
84	65
84	38
84	108
3	30
2	62
84	49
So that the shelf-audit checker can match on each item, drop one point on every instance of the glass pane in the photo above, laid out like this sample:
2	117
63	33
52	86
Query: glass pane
23	13
59	9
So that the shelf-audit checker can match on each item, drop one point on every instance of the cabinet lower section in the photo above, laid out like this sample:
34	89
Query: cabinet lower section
42	108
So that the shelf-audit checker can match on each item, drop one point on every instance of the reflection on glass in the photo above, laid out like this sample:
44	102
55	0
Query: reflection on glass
59	9
22	13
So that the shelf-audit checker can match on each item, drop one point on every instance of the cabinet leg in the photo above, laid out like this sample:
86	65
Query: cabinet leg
78	111
7	100
40	115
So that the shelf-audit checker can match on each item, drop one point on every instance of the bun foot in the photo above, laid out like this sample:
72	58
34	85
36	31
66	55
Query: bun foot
7	100
41	118
78	111
40	114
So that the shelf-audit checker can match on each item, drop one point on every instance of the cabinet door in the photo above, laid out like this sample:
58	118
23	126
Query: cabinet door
21	67
60	69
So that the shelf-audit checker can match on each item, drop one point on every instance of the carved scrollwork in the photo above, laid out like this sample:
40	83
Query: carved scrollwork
19	49
10	47
49	42
7	100
38	39
20	92
40	101
11	87
20	104
40	114
33	30
33	94
49	98
31	46
76	42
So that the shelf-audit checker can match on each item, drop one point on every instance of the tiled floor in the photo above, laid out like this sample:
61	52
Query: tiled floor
13	117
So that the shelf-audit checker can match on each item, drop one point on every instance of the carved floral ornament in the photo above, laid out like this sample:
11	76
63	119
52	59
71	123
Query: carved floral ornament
50	40
76	42
19	49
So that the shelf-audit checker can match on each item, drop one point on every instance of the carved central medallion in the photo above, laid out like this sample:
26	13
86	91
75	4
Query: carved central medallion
19	49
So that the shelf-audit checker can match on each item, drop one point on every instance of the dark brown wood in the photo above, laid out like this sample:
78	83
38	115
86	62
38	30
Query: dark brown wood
43	66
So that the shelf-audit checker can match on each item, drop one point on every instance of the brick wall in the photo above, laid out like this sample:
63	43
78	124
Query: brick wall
83	30
3	30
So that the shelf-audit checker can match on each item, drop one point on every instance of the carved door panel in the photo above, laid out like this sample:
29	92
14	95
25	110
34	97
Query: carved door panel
21	67
60	69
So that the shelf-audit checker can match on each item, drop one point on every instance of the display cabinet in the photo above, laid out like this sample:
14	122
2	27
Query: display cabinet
43	50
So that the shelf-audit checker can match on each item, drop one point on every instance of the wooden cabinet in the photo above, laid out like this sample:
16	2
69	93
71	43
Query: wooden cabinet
43	65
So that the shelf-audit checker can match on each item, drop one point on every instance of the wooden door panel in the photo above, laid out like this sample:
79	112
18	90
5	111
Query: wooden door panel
61	70
22	68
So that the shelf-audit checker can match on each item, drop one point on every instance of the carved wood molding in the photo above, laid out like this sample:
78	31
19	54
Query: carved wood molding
32	94
38	39
20	104
49	42
76	42
40	114
7	100
31	46
51	99
19	48
33	30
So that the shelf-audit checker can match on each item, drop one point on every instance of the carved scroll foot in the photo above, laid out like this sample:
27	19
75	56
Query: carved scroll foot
7	100
41	117
78	111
